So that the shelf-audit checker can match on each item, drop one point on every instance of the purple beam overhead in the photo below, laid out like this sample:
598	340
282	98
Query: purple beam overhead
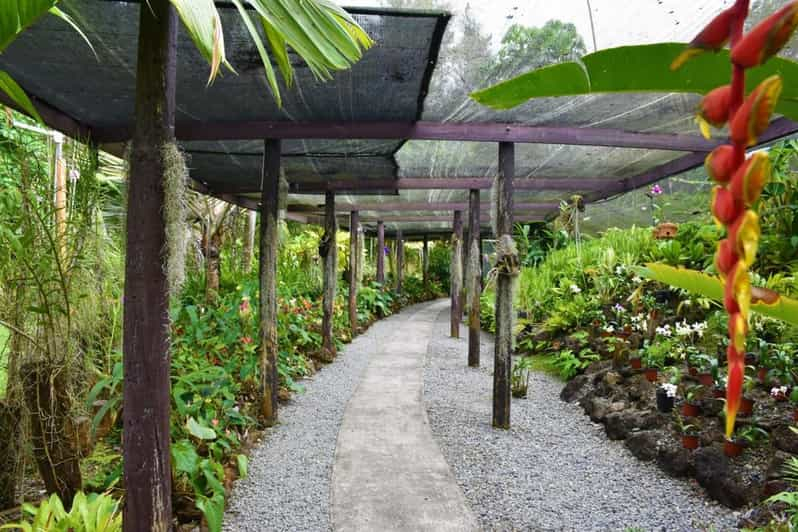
417	206
457	131
613	184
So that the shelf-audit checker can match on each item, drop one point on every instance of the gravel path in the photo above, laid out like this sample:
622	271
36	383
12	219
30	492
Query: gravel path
555	469
288	487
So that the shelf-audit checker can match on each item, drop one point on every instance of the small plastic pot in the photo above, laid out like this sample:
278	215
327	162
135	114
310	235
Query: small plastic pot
636	363
664	403
762	374
719	393
795	415
746	406
732	448
692	370
651	374
690	441
706	379
690	409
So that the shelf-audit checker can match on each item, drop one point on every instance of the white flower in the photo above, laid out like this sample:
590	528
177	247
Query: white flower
609	328
575	289
778	391
670	389
637	280
665	330
683	329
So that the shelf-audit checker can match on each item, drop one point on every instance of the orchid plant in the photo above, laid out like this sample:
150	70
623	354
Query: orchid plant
739	178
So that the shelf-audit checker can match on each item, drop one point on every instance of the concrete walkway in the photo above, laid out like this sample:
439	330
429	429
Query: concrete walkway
389	473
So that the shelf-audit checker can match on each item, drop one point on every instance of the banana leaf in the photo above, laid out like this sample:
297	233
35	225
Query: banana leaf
643	68
763	301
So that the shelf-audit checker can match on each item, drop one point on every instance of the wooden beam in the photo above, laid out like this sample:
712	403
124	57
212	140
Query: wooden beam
380	252
576	184
425	263
484	218
455	273
146	356
329	255
502	365
354	223
453	131
473	283
412	206
269	250
53	118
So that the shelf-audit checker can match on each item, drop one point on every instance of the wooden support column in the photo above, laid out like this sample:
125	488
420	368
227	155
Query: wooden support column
146	396
456	273
354	222
380	252
269	220
425	264
474	281
400	260
328	251
504	301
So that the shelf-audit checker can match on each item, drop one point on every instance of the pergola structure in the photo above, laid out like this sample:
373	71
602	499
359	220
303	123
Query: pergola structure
341	147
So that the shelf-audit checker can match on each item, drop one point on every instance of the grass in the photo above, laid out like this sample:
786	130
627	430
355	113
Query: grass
545	364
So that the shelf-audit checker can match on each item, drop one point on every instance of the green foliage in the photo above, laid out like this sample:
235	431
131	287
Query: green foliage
779	212
89	513
642	68
439	262
570	364
373	302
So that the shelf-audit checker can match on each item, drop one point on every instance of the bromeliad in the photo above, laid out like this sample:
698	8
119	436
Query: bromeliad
739	179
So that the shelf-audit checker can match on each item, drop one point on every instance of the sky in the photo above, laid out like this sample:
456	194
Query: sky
617	22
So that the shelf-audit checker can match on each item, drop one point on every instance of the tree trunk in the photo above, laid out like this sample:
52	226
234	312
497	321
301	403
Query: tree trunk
502	364
425	265
146	438
249	242
354	247
380	253
9	454
400	260
54	447
213	264
456	273
329	254
270	202
474	283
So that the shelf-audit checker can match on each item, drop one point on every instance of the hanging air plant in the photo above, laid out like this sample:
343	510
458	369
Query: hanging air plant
739	179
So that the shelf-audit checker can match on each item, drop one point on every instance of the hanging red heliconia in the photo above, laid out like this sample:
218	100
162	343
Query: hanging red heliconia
740	180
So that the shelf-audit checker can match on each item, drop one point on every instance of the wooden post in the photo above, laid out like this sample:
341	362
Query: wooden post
504	301
60	196
269	220
380	253
456	273
354	222
249	244
146	438
329	254
474	282
425	264
400	260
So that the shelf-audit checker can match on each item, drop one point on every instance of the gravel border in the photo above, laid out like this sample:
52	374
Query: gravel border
555	469
288	487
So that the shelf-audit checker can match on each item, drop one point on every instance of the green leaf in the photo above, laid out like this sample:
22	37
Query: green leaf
243	465
267	64
204	26
18	96
783	308
184	457
200	431
643	68
66	18
213	510
19	15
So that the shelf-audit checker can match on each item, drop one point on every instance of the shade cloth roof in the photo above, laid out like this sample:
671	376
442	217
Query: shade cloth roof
395	85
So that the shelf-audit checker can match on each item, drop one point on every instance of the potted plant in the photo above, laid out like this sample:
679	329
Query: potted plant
636	362
744	436
708	369
519	379
654	357
746	403
780	393
690	407
666	395
689	433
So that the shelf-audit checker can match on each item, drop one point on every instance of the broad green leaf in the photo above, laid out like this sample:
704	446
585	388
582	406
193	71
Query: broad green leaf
204	26
18	15
778	307
213	510
644	68
18	96
200	431
243	465
184	457
66	18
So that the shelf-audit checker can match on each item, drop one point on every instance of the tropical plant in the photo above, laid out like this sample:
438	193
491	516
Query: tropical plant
519	378
570	364
88	513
